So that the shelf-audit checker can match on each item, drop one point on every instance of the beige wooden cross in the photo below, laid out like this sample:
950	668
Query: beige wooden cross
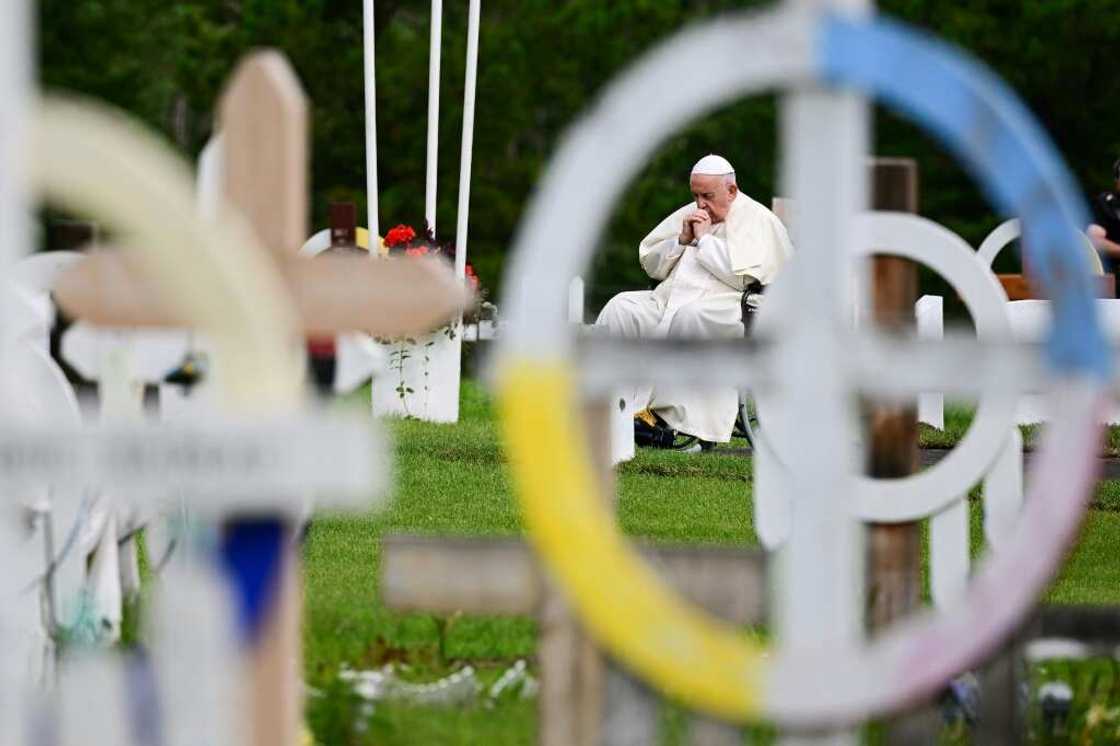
263	115
584	699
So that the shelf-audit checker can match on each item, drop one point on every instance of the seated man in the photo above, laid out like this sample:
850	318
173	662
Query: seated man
706	253
1104	231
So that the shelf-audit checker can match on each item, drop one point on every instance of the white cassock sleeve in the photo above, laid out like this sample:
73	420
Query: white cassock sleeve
658	258
713	255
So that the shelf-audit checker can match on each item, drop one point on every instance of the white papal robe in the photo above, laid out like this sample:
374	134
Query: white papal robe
700	297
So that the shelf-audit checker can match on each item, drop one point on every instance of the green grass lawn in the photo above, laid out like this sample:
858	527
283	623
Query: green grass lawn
958	417
451	479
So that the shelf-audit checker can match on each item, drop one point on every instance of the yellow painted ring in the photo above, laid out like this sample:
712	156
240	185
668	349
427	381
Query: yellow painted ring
704	663
321	242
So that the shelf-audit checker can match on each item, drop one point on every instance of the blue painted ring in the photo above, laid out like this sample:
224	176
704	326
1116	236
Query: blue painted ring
983	123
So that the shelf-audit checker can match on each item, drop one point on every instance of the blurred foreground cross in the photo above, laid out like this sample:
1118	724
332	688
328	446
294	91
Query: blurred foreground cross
264	119
584	699
263	174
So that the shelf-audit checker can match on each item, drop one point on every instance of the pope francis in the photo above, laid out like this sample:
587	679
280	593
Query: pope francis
705	255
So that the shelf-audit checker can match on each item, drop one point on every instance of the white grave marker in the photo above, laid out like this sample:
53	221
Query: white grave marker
929	310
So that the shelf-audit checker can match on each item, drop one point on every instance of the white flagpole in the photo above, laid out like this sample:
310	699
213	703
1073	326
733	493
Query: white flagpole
434	53
371	128
467	153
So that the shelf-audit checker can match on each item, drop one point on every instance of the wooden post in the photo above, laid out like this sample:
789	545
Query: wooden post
264	119
501	576
344	225
894	550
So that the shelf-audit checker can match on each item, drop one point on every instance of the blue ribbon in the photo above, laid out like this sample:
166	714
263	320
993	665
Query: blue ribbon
252	553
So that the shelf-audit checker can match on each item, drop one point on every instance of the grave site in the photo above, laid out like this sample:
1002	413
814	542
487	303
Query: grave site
829	456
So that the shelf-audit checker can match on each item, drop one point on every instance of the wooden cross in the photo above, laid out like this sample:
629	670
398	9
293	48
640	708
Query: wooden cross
389	298
580	696
584	699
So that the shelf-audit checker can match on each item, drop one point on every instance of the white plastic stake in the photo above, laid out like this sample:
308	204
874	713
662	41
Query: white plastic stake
1003	492
575	301
621	428
773	510
209	177
949	555
929	311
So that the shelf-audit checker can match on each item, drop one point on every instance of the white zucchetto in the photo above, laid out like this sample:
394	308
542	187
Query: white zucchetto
713	165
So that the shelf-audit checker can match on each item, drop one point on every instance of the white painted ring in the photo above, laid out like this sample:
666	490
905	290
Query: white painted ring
1009	230
922	240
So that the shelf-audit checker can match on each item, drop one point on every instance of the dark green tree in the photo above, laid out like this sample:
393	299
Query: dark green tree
542	62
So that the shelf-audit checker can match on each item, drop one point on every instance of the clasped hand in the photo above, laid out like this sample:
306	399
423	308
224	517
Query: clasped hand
696	226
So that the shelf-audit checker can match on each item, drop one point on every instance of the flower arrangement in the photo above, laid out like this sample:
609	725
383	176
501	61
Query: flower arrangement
401	235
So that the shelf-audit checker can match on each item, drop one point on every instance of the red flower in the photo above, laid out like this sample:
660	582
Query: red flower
418	251
472	278
398	235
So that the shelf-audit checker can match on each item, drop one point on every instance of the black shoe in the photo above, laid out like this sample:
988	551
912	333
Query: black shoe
651	431
193	370
653	436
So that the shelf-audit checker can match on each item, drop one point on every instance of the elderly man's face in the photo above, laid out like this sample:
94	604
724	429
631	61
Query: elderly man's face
713	194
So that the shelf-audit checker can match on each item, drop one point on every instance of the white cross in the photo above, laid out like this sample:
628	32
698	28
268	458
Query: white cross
813	364
259	462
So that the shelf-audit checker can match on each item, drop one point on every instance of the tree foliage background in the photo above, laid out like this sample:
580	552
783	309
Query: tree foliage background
541	63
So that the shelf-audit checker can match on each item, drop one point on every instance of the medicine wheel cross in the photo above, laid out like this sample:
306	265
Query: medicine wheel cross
828	61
